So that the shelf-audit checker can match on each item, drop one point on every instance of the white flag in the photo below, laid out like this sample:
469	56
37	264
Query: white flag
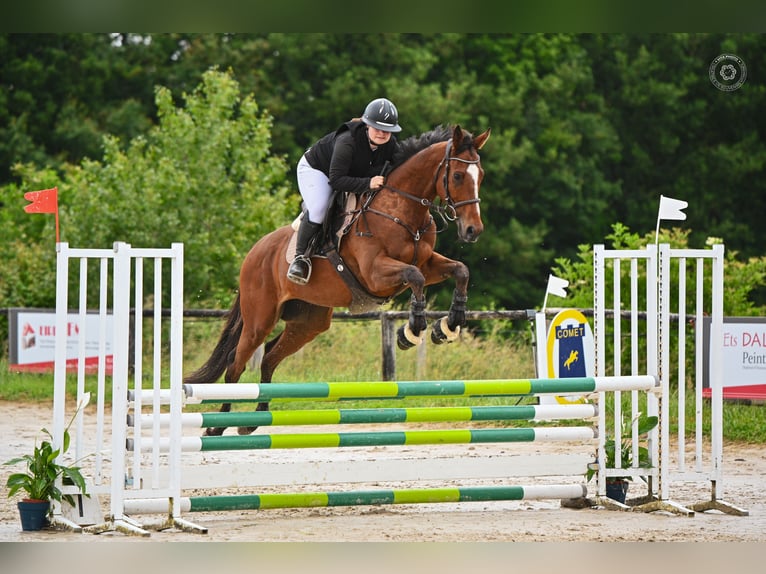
672	208
557	286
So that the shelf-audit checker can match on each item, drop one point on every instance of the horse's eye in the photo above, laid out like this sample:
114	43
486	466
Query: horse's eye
458	177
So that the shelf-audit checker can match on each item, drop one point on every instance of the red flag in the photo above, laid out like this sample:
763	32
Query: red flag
44	201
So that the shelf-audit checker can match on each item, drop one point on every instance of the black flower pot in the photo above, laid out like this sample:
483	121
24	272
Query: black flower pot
33	514
617	490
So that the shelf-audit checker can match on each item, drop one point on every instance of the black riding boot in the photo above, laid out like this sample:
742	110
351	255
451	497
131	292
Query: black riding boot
300	269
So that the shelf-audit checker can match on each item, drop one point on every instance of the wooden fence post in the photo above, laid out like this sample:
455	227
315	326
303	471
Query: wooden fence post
388	347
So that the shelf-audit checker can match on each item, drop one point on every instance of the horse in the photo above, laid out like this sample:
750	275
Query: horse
390	250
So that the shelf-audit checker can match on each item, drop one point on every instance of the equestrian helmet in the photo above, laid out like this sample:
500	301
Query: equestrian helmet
382	115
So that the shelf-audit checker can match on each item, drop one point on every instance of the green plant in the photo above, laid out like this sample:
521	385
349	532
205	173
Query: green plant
40	479
645	425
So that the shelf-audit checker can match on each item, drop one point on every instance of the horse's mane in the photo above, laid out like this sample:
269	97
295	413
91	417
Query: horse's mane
413	144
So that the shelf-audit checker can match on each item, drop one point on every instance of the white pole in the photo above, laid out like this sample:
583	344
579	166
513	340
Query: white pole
716	363
176	374
59	369
121	309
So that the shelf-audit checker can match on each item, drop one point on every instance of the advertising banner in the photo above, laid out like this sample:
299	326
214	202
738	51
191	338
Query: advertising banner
569	352
744	358
32	340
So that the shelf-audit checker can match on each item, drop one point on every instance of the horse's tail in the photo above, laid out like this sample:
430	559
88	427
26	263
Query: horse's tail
223	354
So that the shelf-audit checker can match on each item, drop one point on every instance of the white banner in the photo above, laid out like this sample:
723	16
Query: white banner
32	339
743	356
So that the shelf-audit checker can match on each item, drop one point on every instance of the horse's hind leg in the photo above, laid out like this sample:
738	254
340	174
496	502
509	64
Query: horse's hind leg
303	322
249	341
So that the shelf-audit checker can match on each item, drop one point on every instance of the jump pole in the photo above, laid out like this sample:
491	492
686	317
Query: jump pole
374	416
340	391
361	498
334	391
364	439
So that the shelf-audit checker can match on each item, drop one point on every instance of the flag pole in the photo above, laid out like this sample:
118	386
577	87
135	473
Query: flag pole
657	231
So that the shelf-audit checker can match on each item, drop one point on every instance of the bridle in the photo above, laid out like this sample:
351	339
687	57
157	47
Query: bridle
447	211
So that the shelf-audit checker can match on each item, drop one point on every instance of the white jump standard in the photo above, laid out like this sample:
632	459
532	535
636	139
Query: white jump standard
144	463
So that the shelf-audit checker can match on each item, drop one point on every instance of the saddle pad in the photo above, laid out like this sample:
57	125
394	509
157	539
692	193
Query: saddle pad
290	252
351	203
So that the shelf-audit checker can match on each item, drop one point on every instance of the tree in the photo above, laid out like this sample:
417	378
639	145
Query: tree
61	93
203	176
587	129
741	277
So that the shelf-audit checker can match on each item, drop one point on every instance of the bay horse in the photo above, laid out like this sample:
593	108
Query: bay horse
390	250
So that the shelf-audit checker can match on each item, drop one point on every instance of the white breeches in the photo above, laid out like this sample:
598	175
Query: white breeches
315	190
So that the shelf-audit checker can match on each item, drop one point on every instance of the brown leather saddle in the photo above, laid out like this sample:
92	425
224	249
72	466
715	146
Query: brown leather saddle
345	209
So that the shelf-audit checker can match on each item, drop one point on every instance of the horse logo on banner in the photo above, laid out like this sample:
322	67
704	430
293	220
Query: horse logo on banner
570	350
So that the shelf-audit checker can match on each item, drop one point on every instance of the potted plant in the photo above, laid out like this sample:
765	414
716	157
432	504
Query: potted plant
617	486
40	481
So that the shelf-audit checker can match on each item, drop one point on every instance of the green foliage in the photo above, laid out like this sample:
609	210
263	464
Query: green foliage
588	129
741	278
43	471
203	176
27	387
627	454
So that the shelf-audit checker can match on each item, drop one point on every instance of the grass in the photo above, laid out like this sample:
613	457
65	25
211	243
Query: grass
350	351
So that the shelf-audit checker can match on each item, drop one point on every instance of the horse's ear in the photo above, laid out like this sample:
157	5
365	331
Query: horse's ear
457	136
481	139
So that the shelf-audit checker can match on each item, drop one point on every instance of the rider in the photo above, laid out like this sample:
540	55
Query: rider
349	159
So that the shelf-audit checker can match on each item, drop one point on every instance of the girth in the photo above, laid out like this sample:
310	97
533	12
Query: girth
361	299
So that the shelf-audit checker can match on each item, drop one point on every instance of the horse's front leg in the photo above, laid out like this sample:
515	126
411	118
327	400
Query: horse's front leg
447	329
409	334
385	273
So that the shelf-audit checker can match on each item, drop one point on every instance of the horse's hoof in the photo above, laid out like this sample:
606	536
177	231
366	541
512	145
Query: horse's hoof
405	338
437	337
245	430
217	431
440	332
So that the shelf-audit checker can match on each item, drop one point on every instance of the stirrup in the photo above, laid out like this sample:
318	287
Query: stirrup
300	270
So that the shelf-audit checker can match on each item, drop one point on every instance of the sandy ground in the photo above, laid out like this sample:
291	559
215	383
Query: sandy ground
514	521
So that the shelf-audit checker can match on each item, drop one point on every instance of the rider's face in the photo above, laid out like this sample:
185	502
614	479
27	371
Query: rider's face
377	137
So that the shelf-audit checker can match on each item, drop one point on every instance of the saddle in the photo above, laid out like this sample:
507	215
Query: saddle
345	209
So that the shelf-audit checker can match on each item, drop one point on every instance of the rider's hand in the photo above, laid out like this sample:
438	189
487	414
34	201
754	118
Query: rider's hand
377	181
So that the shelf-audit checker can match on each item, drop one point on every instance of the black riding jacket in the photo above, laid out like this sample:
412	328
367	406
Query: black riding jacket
346	158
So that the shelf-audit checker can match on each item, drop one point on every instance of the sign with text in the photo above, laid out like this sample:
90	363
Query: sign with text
744	358
569	352
32	340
